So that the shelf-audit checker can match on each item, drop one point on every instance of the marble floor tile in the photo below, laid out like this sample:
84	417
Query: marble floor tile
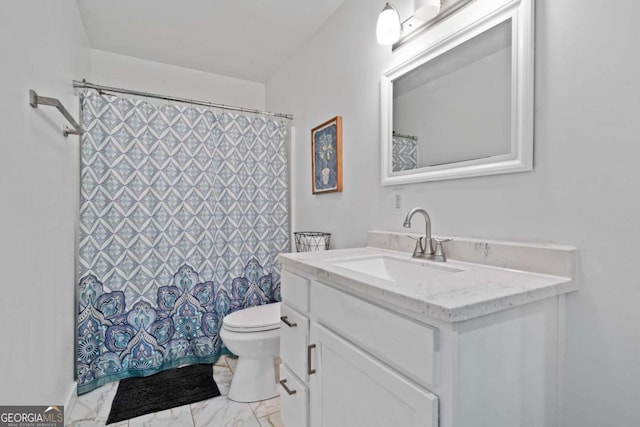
232	362
222	361
222	412
176	417
91	409
272	420
266	407
222	376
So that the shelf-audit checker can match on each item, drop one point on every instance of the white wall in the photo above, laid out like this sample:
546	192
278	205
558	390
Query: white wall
336	73
583	190
111	69
43	46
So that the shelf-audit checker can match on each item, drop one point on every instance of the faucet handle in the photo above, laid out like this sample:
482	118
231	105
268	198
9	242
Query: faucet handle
419	249
442	240
439	252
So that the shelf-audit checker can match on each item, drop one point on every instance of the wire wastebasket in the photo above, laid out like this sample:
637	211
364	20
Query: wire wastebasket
312	241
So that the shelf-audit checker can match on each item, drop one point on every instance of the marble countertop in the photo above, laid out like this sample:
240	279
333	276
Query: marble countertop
474	291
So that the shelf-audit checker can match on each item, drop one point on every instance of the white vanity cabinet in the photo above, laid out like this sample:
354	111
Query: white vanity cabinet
354	359
340	354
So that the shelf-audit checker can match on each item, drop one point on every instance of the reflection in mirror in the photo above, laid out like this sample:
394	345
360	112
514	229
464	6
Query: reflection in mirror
405	152
457	106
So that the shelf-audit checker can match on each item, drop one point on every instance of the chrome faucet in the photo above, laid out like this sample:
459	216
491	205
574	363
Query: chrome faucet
421	251
427	251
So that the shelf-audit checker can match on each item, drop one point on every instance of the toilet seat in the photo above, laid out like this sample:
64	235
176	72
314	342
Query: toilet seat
254	319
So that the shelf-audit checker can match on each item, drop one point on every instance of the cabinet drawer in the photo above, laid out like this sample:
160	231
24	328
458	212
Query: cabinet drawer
294	338
294	399
295	290
400	342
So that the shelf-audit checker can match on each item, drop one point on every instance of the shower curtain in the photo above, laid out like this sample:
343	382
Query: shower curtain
183	212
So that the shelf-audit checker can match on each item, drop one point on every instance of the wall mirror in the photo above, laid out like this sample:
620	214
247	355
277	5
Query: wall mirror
460	103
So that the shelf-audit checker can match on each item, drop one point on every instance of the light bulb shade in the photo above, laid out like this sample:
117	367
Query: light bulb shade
425	10
388	27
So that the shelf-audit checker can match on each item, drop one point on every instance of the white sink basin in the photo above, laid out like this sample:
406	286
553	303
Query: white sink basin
396	270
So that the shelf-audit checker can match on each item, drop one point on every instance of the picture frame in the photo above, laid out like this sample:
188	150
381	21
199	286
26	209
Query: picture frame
326	157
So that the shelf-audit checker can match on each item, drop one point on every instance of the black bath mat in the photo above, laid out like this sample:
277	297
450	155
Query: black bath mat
164	390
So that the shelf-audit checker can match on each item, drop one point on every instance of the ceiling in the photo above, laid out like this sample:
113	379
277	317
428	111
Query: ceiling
246	39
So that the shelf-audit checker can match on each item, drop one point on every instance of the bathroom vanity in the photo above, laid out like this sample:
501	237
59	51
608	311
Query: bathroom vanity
372	337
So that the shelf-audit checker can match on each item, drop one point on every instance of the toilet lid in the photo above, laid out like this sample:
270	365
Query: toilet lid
261	318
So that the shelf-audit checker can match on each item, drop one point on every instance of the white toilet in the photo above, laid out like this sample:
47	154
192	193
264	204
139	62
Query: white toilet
253	334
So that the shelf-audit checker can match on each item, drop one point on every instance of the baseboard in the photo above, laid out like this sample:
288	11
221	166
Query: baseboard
70	400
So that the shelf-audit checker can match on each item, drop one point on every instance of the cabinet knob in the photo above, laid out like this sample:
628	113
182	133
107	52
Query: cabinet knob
286	322
283	383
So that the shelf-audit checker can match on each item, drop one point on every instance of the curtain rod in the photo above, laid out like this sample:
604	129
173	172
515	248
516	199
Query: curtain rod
35	100
401	135
85	84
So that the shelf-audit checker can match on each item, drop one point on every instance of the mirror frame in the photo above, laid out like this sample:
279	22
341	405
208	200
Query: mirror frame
470	21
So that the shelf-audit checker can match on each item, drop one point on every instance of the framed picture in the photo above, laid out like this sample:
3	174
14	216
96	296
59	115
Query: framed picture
326	156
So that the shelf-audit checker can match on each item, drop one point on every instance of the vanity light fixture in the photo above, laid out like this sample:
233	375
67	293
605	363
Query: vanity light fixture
389	28
425	10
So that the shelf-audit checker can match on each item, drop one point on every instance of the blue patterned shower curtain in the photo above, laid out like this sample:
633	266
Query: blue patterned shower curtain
182	214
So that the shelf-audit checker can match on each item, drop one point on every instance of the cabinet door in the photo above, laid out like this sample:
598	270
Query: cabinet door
294	334
352	389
